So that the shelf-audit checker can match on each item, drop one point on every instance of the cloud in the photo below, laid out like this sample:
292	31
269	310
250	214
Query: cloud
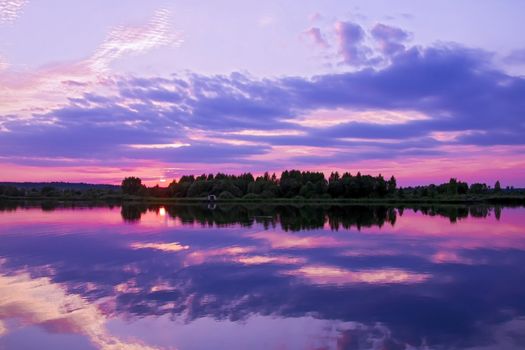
317	37
126	40
516	57
336	275
350	37
39	302
427	103
49	86
390	38
354	44
164	247
10	10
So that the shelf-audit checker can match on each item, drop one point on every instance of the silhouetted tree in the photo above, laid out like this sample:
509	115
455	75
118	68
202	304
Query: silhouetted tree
478	188
392	184
131	185
294	184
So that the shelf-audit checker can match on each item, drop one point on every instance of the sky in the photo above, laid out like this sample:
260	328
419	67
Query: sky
94	91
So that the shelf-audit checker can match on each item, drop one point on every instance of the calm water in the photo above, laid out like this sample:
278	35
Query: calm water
234	277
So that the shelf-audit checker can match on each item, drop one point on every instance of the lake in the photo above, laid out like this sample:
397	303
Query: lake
261	277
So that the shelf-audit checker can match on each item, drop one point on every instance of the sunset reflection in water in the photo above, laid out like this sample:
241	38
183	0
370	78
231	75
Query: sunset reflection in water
262	278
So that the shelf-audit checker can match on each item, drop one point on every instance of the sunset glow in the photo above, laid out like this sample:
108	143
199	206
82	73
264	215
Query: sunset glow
370	87
238	275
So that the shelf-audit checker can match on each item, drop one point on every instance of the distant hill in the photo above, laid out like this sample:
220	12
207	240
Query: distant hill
60	185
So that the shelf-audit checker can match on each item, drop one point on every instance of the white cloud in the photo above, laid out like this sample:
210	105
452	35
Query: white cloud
10	10
21	92
124	40
42	303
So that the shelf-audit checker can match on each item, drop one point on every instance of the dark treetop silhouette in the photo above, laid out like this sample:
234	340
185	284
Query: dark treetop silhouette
295	184
292	185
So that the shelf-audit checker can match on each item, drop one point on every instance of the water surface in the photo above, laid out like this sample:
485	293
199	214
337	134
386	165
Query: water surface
261	277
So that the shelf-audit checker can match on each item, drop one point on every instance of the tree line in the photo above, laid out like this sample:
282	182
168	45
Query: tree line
292	184
300	184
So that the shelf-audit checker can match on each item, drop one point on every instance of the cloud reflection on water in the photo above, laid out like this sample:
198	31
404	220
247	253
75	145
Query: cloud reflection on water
26	301
380	283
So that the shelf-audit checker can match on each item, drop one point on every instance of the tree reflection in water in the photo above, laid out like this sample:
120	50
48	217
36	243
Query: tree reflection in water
302	217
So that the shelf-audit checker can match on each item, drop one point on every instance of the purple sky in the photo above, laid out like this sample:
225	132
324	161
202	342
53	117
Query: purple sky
96	90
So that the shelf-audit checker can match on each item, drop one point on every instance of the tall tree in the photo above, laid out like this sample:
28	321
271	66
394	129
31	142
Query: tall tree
131	185
392	184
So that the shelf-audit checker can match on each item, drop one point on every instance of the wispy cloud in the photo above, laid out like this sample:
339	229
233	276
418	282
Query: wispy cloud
40	302
10	10
317	37
336	275
49	86
125	40
165	247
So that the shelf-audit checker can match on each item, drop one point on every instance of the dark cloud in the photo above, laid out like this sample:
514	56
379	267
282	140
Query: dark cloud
457	89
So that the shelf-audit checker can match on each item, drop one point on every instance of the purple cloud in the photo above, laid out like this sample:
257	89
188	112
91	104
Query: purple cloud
390	38
350	38
515	57
197	118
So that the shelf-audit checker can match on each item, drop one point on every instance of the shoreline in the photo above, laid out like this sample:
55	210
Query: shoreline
130	200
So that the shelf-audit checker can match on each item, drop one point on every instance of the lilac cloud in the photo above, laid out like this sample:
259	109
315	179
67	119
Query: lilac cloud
317	37
390	38
220	119
201	152
351	38
515	57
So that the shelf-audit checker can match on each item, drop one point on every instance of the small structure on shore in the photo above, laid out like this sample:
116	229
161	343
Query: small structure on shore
212	198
